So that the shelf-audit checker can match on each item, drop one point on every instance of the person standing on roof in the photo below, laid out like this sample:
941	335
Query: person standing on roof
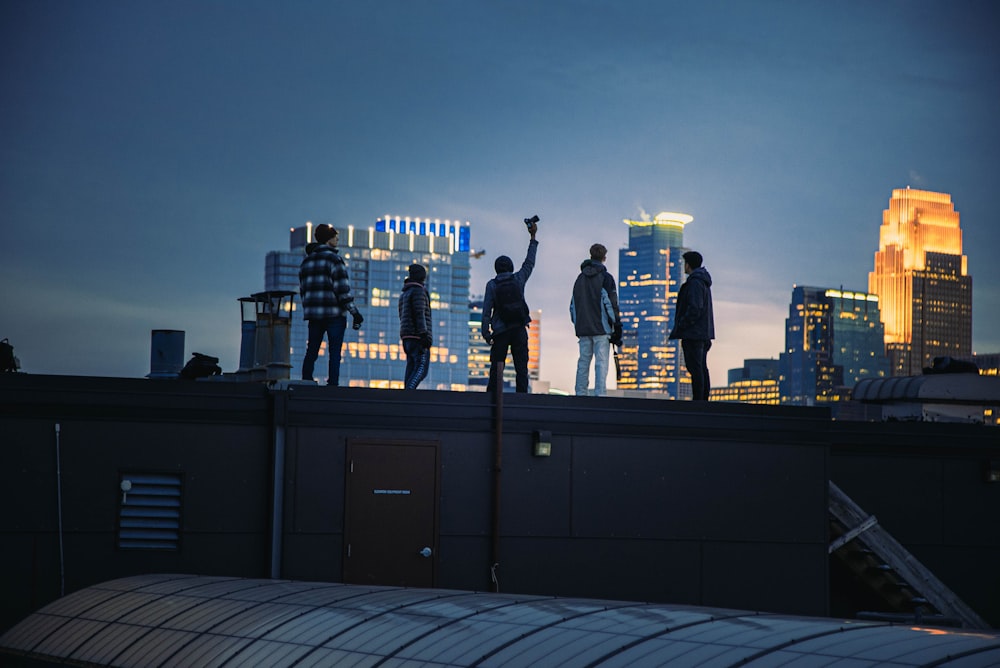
506	316
415	326
596	320
694	323
325	291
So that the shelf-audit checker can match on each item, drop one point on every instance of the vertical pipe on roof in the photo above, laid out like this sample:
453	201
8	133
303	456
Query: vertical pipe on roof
497	476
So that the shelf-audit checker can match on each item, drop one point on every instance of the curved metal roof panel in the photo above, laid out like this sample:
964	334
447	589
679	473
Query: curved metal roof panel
181	620
945	387
887	389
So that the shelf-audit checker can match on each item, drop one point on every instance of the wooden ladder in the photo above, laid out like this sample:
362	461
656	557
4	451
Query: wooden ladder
878	559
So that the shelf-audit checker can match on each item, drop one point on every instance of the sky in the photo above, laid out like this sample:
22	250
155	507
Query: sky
152	153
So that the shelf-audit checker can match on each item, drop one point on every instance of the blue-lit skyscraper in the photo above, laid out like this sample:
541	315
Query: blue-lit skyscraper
651	271
377	258
833	339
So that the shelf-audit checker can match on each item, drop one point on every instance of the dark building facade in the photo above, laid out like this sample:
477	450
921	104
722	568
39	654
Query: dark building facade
833	339
716	505
756	382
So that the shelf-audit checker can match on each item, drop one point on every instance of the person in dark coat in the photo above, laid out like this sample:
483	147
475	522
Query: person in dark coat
504	335
325	291
694	323
415	326
596	320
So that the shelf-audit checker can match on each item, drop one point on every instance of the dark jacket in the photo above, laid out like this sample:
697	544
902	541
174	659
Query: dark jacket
414	312
693	318
594	306
324	285
491	323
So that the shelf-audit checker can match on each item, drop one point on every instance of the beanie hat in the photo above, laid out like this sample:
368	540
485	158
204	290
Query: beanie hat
503	263
324	233
417	273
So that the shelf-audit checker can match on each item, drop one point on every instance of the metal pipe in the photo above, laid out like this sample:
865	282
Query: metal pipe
62	564
278	493
497	476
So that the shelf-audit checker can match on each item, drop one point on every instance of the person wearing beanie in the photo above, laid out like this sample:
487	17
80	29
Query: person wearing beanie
325	292
415	326
506	317
593	309
694	323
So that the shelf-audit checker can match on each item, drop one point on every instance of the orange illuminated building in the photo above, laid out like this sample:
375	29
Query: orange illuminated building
922	281
535	345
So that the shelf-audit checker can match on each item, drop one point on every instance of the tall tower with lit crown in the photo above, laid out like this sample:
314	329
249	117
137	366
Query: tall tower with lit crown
922	281
651	271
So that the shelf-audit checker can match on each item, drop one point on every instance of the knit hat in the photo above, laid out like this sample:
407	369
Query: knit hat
417	272
324	233
503	263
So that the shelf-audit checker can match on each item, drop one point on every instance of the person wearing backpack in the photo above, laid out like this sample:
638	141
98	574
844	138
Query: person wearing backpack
415	326
596	319
505	315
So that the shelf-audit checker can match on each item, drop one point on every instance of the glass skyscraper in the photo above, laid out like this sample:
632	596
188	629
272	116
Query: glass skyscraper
377	259
921	278
651	271
833	339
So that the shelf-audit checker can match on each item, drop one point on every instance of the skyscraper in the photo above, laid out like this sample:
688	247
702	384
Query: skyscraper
833	339
651	271
377	259
921	278
534	347
479	350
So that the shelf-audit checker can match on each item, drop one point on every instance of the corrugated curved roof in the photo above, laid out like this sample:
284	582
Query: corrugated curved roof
183	620
944	387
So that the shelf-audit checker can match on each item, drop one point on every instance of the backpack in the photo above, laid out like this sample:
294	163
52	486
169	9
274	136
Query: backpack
509	303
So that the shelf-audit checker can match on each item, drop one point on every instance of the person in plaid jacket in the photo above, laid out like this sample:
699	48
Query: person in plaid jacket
325	291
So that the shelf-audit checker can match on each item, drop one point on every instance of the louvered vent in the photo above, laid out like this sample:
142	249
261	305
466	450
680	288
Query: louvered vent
150	512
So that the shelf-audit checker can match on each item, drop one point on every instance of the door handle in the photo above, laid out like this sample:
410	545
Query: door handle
426	552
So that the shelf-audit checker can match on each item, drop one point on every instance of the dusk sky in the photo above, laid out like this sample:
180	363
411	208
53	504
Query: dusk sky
152	153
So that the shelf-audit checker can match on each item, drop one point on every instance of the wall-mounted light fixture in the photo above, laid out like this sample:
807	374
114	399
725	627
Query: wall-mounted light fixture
543	443
991	470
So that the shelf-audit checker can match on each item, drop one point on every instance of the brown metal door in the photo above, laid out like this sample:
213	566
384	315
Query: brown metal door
390	522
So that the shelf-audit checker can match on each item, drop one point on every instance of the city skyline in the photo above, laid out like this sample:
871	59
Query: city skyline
152	154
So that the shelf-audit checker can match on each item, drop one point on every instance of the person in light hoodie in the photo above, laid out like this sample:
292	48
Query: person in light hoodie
596	320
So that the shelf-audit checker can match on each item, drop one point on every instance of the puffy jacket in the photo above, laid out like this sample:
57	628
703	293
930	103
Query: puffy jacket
414	311
324	285
594	305
693	318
